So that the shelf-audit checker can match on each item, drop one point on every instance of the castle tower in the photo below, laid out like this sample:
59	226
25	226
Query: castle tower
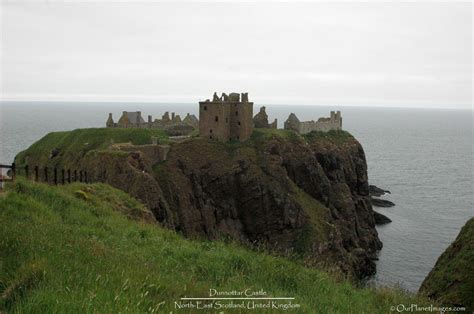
139	118
226	118
110	122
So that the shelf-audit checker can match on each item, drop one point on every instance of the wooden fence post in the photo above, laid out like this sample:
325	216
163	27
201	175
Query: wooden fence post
85	177
27	172
46	174
69	176
13	171
80	175
62	176
75	175
55	176
36	173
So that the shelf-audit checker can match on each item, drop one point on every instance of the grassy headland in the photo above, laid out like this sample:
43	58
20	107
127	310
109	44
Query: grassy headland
73	145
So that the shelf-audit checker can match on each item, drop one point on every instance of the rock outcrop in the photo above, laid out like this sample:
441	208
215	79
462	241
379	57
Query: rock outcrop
451	281
376	191
377	202
381	219
304	195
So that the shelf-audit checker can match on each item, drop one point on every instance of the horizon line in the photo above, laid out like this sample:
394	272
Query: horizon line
342	104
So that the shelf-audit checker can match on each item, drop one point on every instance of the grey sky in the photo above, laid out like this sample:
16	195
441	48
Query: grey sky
396	54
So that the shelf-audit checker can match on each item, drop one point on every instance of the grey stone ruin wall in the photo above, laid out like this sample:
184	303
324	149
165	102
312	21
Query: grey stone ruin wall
334	122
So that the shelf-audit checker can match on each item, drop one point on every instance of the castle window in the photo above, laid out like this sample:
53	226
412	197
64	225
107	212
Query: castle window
210	131
210	136
238	123
205	107
217	118
236	113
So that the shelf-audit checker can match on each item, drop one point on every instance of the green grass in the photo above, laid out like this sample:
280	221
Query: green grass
336	137
317	212
452	279
73	145
61	251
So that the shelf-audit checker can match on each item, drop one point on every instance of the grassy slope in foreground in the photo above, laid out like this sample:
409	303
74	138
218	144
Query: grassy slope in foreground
62	250
451	281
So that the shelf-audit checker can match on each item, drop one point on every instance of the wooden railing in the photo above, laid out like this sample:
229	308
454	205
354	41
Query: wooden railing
46	174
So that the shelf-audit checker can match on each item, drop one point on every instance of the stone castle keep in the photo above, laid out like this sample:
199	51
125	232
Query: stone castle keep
228	117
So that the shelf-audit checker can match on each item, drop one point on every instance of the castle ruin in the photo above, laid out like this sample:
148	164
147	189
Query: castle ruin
261	120
334	122
228	117
173	124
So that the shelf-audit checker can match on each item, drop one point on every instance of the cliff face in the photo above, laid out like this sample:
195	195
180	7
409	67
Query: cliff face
451	281
290	194
305	194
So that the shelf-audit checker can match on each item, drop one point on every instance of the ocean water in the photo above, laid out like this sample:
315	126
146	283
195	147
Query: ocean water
423	156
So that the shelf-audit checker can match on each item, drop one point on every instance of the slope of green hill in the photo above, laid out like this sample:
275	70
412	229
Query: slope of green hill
451	281
84	248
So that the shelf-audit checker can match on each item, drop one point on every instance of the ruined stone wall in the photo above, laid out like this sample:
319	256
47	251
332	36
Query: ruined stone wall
175	123
334	122
261	120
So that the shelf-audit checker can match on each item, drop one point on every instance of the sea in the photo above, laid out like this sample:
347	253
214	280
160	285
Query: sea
424	157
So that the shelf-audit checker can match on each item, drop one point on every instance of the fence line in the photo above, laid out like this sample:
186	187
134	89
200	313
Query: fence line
55	176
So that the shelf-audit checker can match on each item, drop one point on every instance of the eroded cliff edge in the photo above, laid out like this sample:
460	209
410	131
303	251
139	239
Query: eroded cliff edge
305	195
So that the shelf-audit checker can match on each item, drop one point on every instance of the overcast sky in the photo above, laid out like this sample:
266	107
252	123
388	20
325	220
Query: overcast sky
389	54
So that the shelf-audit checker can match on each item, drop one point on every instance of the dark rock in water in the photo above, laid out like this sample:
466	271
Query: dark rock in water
381	219
377	202
376	191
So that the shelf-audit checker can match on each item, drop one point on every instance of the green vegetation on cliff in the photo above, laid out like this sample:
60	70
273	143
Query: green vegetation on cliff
451	281
73	249
337	137
73	145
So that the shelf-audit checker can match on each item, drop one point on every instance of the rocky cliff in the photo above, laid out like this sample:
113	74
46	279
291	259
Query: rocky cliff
297	195
451	281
